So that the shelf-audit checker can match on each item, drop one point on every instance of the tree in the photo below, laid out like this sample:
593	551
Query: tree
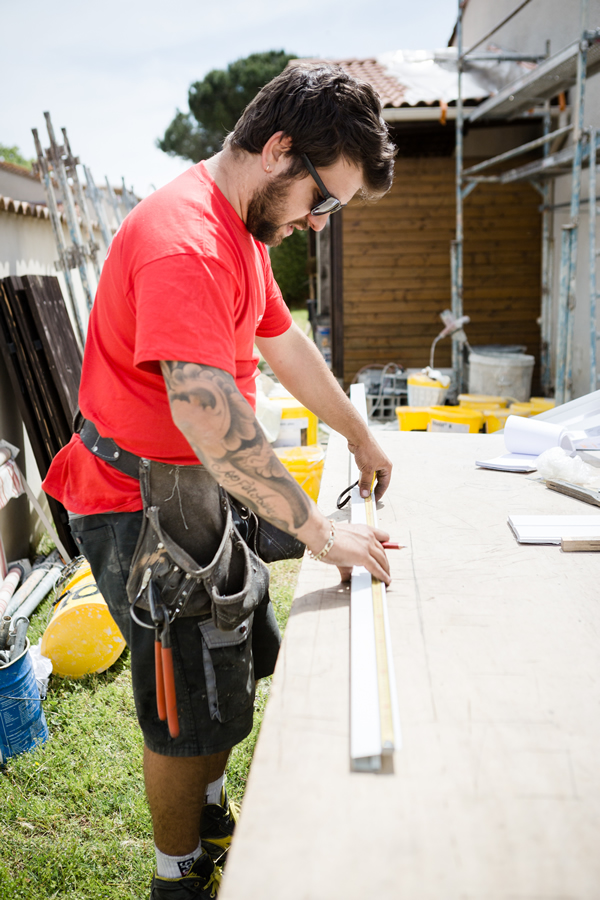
13	155
217	102
290	268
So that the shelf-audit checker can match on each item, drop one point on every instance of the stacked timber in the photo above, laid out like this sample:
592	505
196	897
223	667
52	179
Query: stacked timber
44	365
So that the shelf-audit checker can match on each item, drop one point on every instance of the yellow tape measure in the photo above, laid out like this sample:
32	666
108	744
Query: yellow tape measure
383	674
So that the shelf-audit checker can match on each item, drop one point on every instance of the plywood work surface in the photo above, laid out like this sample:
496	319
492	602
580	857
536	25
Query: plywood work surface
496	791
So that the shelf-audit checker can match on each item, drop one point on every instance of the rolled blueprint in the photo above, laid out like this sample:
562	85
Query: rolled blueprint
523	435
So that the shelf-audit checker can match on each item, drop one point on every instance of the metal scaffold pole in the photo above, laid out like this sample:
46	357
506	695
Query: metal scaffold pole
547	268
592	235
65	261
96	199
456	248
114	202
71	162
73	224
568	257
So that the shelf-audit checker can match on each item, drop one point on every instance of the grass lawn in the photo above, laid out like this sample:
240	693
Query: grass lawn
74	823
300	317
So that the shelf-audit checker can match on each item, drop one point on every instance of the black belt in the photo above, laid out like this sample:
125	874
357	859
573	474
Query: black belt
108	451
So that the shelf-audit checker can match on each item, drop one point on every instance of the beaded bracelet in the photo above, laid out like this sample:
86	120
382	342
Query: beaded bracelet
326	548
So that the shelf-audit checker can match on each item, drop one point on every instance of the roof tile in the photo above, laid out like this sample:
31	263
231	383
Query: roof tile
391	92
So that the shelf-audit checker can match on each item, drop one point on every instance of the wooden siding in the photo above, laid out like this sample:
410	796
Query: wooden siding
396	267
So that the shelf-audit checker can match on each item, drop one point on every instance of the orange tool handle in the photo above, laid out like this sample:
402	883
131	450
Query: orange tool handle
161	705
171	699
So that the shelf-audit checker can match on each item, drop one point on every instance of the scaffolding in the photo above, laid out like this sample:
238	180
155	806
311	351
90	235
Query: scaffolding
529	96
68	197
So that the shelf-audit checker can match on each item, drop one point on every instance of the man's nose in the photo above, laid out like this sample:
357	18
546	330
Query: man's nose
318	223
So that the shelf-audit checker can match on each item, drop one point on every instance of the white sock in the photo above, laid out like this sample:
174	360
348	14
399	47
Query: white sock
214	789
175	866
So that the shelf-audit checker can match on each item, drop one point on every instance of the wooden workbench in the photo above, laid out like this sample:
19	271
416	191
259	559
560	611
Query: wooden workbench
496	790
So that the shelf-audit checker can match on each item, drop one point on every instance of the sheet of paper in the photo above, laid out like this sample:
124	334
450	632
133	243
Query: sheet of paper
551	529
510	462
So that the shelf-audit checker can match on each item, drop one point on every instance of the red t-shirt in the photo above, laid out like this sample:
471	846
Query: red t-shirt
183	280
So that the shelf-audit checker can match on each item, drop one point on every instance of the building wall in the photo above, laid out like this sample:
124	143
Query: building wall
396	267
557	21
540	21
17	182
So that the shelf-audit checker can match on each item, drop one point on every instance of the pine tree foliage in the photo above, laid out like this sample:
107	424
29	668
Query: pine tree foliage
13	155
216	104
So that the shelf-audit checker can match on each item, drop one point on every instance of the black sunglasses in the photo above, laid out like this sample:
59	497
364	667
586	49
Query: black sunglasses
329	204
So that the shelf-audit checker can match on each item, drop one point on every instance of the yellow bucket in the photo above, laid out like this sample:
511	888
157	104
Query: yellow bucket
298	424
305	465
495	419
523	409
82	636
542	404
481	401
413	418
471	417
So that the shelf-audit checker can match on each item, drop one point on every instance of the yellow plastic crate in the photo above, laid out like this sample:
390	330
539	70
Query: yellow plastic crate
305	465
413	418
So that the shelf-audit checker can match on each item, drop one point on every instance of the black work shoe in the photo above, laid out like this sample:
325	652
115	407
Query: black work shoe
201	883
217	825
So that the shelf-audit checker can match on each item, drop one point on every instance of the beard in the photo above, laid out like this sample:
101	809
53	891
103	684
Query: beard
266	209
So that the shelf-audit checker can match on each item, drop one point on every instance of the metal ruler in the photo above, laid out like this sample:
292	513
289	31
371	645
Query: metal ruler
374	720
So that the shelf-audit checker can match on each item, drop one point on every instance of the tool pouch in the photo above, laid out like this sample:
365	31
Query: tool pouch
191	549
268	542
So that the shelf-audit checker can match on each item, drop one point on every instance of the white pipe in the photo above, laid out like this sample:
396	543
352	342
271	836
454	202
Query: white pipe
40	592
24	591
8	587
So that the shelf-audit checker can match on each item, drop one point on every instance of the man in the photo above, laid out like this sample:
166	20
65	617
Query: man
168	375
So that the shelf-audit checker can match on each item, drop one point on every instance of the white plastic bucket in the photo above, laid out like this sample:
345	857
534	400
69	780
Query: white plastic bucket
507	375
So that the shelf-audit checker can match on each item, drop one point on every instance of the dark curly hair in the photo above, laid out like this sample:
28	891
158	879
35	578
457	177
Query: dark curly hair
328	115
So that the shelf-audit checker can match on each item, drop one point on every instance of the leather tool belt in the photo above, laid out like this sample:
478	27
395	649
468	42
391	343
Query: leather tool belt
190	548
198	545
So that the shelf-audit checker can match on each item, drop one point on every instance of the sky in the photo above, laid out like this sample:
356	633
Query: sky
114	73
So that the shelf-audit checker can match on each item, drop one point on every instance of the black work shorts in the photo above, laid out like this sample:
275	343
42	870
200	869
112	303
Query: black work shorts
215	671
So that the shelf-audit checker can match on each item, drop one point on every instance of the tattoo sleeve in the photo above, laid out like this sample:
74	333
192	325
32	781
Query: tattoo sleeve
223	431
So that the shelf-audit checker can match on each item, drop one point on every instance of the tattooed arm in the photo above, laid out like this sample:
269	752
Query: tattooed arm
301	368
225	435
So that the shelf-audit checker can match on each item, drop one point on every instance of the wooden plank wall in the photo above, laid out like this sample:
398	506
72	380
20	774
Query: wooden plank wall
396	267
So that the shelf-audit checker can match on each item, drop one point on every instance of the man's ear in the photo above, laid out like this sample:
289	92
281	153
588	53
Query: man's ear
275	151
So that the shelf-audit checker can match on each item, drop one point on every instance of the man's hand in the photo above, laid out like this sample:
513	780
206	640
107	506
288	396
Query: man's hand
359	545
371	460
302	370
